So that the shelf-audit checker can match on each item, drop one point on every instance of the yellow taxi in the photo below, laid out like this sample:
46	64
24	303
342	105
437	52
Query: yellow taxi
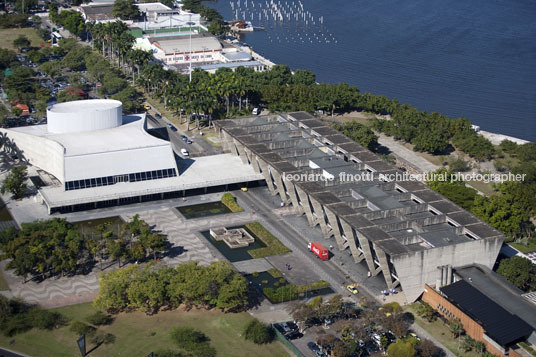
353	288
147	107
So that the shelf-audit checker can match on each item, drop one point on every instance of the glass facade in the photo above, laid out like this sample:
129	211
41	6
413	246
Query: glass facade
111	180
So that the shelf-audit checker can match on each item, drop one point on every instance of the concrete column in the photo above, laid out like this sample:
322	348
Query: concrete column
365	246
267	177
384	265
241	152
320	217
304	198
293	197
351	240
279	183
253	160
333	221
449	275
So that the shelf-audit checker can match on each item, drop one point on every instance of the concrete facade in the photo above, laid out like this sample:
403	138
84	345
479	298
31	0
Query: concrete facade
401	229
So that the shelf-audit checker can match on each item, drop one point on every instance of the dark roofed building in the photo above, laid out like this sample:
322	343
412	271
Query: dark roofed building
482	318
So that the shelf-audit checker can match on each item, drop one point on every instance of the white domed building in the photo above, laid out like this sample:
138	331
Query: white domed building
99	158
88	145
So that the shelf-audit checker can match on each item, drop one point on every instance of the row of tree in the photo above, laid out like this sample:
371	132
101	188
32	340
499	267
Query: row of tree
47	248
150	287
281	90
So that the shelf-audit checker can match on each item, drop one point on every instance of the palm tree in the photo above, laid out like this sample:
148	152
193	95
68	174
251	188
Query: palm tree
240	90
138	58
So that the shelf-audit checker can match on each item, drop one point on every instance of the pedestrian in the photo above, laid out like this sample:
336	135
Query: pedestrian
368	274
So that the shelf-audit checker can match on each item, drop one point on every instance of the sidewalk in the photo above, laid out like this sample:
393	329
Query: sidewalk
406	154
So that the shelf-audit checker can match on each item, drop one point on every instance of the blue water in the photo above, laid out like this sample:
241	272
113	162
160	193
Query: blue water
461	58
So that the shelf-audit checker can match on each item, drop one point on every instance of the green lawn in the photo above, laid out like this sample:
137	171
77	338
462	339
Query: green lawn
138	334
485	188
273	245
3	282
441	332
230	202
9	35
525	248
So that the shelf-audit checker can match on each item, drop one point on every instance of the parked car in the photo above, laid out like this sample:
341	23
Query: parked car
294	335
353	288
183	137
256	111
185	152
158	116
313	347
147	107
189	141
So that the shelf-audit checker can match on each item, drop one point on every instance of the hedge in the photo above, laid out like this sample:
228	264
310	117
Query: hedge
273	245
230	202
292	292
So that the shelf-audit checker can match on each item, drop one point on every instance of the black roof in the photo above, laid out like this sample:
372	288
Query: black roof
502	326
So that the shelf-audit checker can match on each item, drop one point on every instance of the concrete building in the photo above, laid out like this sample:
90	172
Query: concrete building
100	158
98	13
159	16
180	50
399	228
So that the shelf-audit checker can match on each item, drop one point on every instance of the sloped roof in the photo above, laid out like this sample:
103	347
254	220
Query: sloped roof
499	324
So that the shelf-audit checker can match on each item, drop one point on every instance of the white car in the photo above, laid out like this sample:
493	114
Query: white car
185	152
256	111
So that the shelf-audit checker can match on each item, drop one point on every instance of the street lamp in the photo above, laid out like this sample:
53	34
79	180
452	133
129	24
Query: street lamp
190	23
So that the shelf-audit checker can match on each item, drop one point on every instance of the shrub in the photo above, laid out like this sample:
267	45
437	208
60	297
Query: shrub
273	245
81	328
228	200
99	318
187	337
16	324
258	332
426	312
100	337
204	350
167	353
193	341
16	316
45	320
274	272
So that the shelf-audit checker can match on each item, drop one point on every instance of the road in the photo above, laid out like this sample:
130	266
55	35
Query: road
4	352
199	147
325	270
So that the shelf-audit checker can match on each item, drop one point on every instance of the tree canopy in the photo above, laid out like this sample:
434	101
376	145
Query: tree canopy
519	271
150	287
125	9
15	181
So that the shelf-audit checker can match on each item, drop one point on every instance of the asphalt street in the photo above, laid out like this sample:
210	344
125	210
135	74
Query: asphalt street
326	270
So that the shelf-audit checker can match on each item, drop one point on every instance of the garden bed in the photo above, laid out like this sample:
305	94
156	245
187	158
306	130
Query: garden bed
273	245
203	210
277	289
228	200
91	227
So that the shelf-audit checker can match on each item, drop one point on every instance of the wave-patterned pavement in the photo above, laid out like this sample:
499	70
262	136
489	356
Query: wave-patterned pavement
51	291
185	245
